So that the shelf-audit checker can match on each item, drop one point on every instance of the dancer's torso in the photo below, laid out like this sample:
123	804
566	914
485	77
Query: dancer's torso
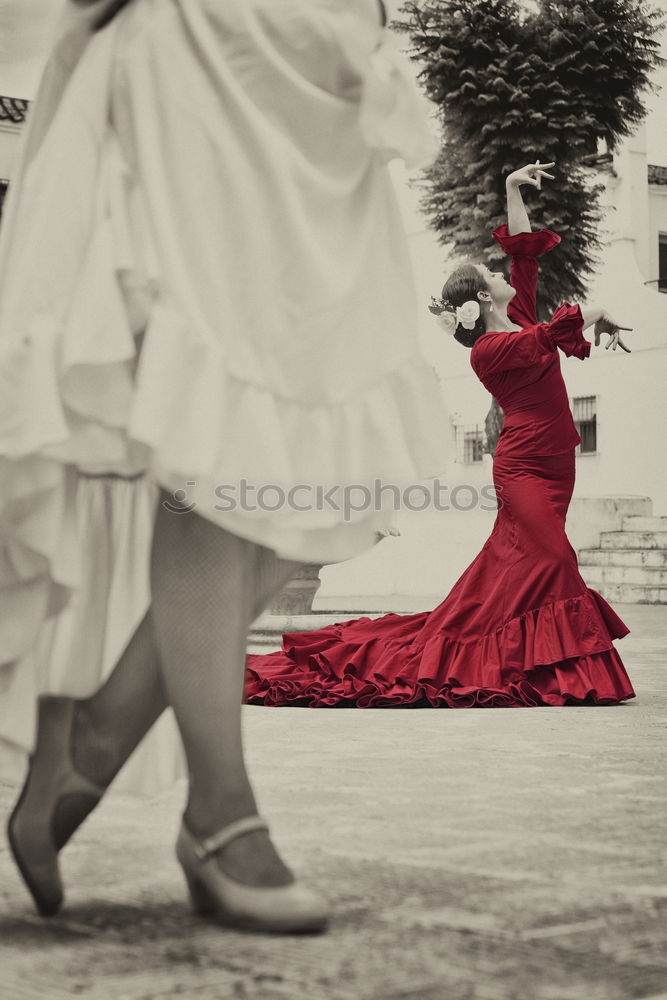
538	419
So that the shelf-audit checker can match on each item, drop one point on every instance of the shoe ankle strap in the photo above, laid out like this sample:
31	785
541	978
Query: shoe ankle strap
211	845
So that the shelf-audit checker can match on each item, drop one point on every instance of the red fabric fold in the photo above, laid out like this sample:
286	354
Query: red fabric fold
566	331
532	244
556	654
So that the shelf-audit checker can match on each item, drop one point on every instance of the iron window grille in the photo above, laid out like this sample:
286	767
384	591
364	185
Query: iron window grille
584	411
469	444
662	262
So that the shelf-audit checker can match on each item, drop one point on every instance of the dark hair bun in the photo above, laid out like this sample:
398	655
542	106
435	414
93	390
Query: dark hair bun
463	285
468	337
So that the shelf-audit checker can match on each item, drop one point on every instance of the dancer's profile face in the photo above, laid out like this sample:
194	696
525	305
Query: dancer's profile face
500	290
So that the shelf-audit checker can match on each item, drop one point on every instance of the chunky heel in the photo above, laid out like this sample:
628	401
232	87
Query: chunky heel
285	909
202	903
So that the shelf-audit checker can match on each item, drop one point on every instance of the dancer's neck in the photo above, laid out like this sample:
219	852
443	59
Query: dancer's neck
497	321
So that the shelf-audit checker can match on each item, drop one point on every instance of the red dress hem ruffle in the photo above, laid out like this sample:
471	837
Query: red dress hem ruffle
560	653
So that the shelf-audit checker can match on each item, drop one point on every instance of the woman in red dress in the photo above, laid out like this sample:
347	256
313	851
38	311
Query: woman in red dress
520	627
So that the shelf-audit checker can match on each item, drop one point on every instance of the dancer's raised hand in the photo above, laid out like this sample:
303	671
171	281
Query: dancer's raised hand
606	324
532	173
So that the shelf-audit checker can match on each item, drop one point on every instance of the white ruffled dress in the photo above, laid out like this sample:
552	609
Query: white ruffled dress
204	280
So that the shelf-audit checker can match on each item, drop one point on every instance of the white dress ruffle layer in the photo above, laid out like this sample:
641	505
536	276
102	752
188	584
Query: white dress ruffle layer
204	279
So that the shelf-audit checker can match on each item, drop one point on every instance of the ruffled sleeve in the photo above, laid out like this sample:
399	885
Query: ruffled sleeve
566	331
525	244
524	248
498	352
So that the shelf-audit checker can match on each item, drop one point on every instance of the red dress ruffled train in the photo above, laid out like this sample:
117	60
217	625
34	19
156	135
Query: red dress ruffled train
520	627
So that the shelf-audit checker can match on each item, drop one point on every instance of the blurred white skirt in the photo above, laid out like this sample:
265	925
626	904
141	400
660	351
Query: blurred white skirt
204	283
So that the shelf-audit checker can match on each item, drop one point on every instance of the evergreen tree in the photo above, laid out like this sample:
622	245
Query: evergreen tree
512	85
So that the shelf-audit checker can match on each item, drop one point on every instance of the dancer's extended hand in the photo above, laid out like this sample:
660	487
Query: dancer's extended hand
532	173
606	324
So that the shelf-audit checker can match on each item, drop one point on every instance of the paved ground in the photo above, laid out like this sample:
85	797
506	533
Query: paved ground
502	854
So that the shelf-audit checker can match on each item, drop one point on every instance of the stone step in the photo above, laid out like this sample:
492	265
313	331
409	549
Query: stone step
623	557
649	576
615	504
633	539
638	523
631	593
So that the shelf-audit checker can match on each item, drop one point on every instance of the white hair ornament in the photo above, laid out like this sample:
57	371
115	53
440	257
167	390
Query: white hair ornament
449	316
447	320
468	314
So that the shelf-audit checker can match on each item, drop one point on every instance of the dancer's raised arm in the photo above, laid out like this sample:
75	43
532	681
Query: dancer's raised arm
518	222
523	245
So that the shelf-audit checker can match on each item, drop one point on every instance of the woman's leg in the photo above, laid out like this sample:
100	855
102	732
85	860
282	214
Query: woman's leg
207	586
203	581
110	724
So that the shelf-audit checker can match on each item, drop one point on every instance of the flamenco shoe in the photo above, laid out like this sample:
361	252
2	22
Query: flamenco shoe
54	801
279	909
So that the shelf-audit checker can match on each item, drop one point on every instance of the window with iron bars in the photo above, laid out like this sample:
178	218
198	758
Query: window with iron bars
662	262
469	444
584	411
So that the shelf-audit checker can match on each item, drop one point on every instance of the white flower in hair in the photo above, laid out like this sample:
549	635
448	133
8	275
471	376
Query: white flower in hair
444	313
447	320
468	314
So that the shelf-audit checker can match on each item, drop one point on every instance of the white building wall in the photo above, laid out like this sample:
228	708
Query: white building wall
630	388
632	416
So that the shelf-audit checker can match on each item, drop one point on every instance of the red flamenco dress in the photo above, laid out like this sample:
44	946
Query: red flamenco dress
520	627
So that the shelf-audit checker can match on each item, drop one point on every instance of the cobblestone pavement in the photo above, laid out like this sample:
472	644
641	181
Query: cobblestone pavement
503	854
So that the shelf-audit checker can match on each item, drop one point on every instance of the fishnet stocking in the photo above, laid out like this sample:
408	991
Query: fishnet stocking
208	585
111	723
